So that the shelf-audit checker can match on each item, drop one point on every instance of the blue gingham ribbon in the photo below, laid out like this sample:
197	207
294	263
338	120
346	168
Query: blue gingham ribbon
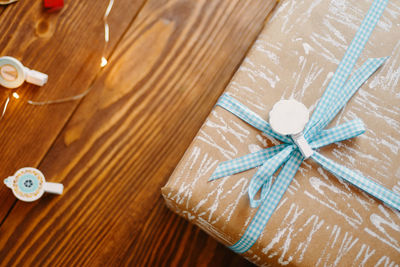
338	92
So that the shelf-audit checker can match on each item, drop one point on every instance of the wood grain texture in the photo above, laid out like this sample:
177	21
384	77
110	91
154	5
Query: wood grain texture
66	45
125	138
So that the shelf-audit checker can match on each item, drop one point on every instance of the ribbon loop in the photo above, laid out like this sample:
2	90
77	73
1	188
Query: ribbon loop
264	176
337	94
245	163
346	65
268	206
348	90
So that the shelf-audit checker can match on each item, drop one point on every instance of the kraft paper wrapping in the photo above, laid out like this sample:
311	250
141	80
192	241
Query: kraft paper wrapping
320	220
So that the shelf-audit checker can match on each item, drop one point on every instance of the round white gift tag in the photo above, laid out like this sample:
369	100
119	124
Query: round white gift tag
288	117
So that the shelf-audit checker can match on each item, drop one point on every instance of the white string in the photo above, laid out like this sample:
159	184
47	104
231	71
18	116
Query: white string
103	63
61	100
106	27
5	107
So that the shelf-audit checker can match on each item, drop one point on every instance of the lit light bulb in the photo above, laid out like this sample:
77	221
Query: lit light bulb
103	62
15	95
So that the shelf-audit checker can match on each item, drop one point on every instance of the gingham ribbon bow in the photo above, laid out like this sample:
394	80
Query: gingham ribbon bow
338	92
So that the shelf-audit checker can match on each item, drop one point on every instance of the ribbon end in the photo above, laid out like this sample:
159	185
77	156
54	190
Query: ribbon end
385	58
212	178
376	62
254	204
216	175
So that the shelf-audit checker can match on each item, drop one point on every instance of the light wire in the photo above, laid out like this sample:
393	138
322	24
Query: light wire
102	64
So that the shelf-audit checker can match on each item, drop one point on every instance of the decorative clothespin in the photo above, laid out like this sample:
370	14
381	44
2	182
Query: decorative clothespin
28	184
13	74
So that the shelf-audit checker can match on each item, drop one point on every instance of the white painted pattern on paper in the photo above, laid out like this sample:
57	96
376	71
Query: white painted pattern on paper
341	216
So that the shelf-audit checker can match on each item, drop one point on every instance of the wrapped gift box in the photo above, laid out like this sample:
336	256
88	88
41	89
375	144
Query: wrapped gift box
321	220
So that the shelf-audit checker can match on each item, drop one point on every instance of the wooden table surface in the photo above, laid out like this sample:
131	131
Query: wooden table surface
169	60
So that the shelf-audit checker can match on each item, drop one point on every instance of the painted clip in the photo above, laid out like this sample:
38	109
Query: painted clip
28	184
13	74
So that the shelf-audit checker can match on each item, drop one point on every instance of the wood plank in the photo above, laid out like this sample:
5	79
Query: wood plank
125	139
67	45
168	240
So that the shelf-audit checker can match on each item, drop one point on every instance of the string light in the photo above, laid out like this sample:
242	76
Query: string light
5	107
15	95
103	63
